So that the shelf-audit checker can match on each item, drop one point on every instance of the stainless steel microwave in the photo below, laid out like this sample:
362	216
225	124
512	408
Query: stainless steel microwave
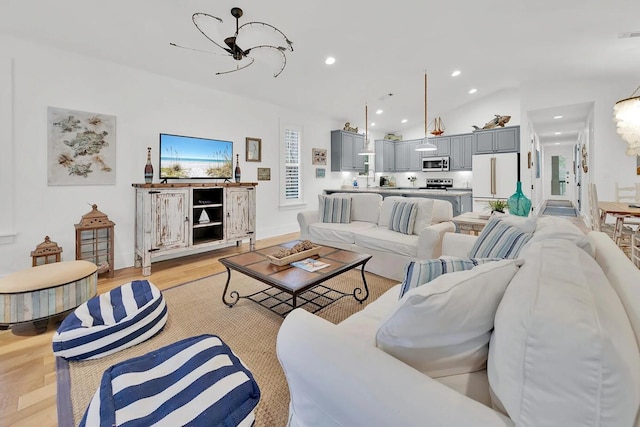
435	164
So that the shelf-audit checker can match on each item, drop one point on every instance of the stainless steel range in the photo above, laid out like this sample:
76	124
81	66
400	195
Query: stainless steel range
438	184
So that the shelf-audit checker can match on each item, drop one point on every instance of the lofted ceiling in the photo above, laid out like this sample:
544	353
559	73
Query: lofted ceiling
380	48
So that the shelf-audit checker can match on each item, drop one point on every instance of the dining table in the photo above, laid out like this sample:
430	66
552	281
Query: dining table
620	211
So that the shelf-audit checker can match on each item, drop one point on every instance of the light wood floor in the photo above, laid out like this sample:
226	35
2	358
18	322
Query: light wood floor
27	365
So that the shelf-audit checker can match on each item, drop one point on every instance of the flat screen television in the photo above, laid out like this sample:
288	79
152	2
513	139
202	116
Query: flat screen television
188	157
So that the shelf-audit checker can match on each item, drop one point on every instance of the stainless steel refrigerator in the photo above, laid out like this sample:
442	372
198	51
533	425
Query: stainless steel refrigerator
494	177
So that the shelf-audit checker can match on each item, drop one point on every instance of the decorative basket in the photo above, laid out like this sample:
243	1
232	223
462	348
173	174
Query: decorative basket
294	257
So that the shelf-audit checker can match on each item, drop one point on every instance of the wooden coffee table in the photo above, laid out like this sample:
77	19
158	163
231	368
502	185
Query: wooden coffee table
287	285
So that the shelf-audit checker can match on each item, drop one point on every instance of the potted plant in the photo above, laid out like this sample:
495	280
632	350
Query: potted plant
498	205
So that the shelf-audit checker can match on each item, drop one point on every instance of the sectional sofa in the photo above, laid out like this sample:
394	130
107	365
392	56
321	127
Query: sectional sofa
366	229
547	339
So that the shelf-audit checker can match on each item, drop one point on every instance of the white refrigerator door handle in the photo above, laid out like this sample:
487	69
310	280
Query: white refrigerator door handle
493	176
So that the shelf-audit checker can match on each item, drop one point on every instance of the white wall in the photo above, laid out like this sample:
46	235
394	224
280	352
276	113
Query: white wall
144	105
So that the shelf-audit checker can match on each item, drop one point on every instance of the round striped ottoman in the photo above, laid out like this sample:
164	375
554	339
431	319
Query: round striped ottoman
110	322
197	382
37	293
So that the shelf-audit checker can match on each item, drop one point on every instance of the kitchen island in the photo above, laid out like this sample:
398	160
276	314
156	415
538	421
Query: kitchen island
460	199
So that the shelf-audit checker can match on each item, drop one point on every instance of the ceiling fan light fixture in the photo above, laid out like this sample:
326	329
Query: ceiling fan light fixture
205	23
626	116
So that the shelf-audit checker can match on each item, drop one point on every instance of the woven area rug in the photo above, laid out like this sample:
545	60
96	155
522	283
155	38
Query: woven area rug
250	330
559	210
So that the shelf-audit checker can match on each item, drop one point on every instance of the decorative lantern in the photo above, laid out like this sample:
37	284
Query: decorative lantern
94	240
46	252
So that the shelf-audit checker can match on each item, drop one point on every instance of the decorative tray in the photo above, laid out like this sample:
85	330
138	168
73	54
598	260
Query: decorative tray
294	257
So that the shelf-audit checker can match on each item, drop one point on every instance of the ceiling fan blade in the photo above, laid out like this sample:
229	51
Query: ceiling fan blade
265	30
238	67
278	49
208	26
198	50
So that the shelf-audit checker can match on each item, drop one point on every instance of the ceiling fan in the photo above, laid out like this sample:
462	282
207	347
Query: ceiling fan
243	56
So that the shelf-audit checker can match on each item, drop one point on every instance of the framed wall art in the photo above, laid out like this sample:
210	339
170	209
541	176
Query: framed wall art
81	148
319	156
254	149
320	172
264	174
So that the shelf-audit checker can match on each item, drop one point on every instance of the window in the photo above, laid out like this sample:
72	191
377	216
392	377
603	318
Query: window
291	166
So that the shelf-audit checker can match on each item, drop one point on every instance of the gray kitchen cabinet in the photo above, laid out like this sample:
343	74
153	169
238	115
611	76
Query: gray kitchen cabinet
344	151
402	156
461	152
415	157
501	140
407	158
444	147
385	155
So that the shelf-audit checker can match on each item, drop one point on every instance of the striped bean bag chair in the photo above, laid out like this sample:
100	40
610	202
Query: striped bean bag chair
197	381
110	322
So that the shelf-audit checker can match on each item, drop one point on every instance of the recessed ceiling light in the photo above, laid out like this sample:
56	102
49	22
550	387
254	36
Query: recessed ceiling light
557	133
404	120
557	143
558	117
373	123
330	60
456	73
472	91
378	111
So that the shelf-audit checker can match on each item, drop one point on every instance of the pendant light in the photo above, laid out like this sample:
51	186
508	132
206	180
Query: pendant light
626	114
366	151
425	145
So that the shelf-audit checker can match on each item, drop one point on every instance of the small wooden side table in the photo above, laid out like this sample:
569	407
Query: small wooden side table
470	222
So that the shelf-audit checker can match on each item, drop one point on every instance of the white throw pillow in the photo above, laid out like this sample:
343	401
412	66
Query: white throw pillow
549	227
444	328
424	215
563	352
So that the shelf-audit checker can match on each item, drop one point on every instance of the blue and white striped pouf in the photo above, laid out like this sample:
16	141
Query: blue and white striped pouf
110	322
197	381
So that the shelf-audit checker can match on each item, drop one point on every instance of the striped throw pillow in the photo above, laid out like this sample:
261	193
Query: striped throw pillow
334	209
499	240
110	322
418	273
403	216
197	381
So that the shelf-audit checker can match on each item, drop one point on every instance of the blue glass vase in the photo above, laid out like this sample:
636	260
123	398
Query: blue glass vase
519	204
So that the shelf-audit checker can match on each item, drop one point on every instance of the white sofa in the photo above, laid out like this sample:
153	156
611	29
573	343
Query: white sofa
563	351
368	231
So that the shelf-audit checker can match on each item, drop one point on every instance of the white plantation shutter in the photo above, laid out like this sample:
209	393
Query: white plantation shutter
291	165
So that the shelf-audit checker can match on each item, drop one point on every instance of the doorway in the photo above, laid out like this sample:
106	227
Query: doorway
559	181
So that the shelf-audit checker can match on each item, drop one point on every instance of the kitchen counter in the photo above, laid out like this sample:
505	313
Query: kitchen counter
460	199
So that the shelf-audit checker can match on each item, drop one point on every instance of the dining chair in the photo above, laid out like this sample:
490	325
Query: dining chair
598	221
630	194
627	194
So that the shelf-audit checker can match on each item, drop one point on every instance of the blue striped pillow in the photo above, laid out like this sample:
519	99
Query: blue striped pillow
403	216
110	322
197	381
417	273
499	240
334	209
